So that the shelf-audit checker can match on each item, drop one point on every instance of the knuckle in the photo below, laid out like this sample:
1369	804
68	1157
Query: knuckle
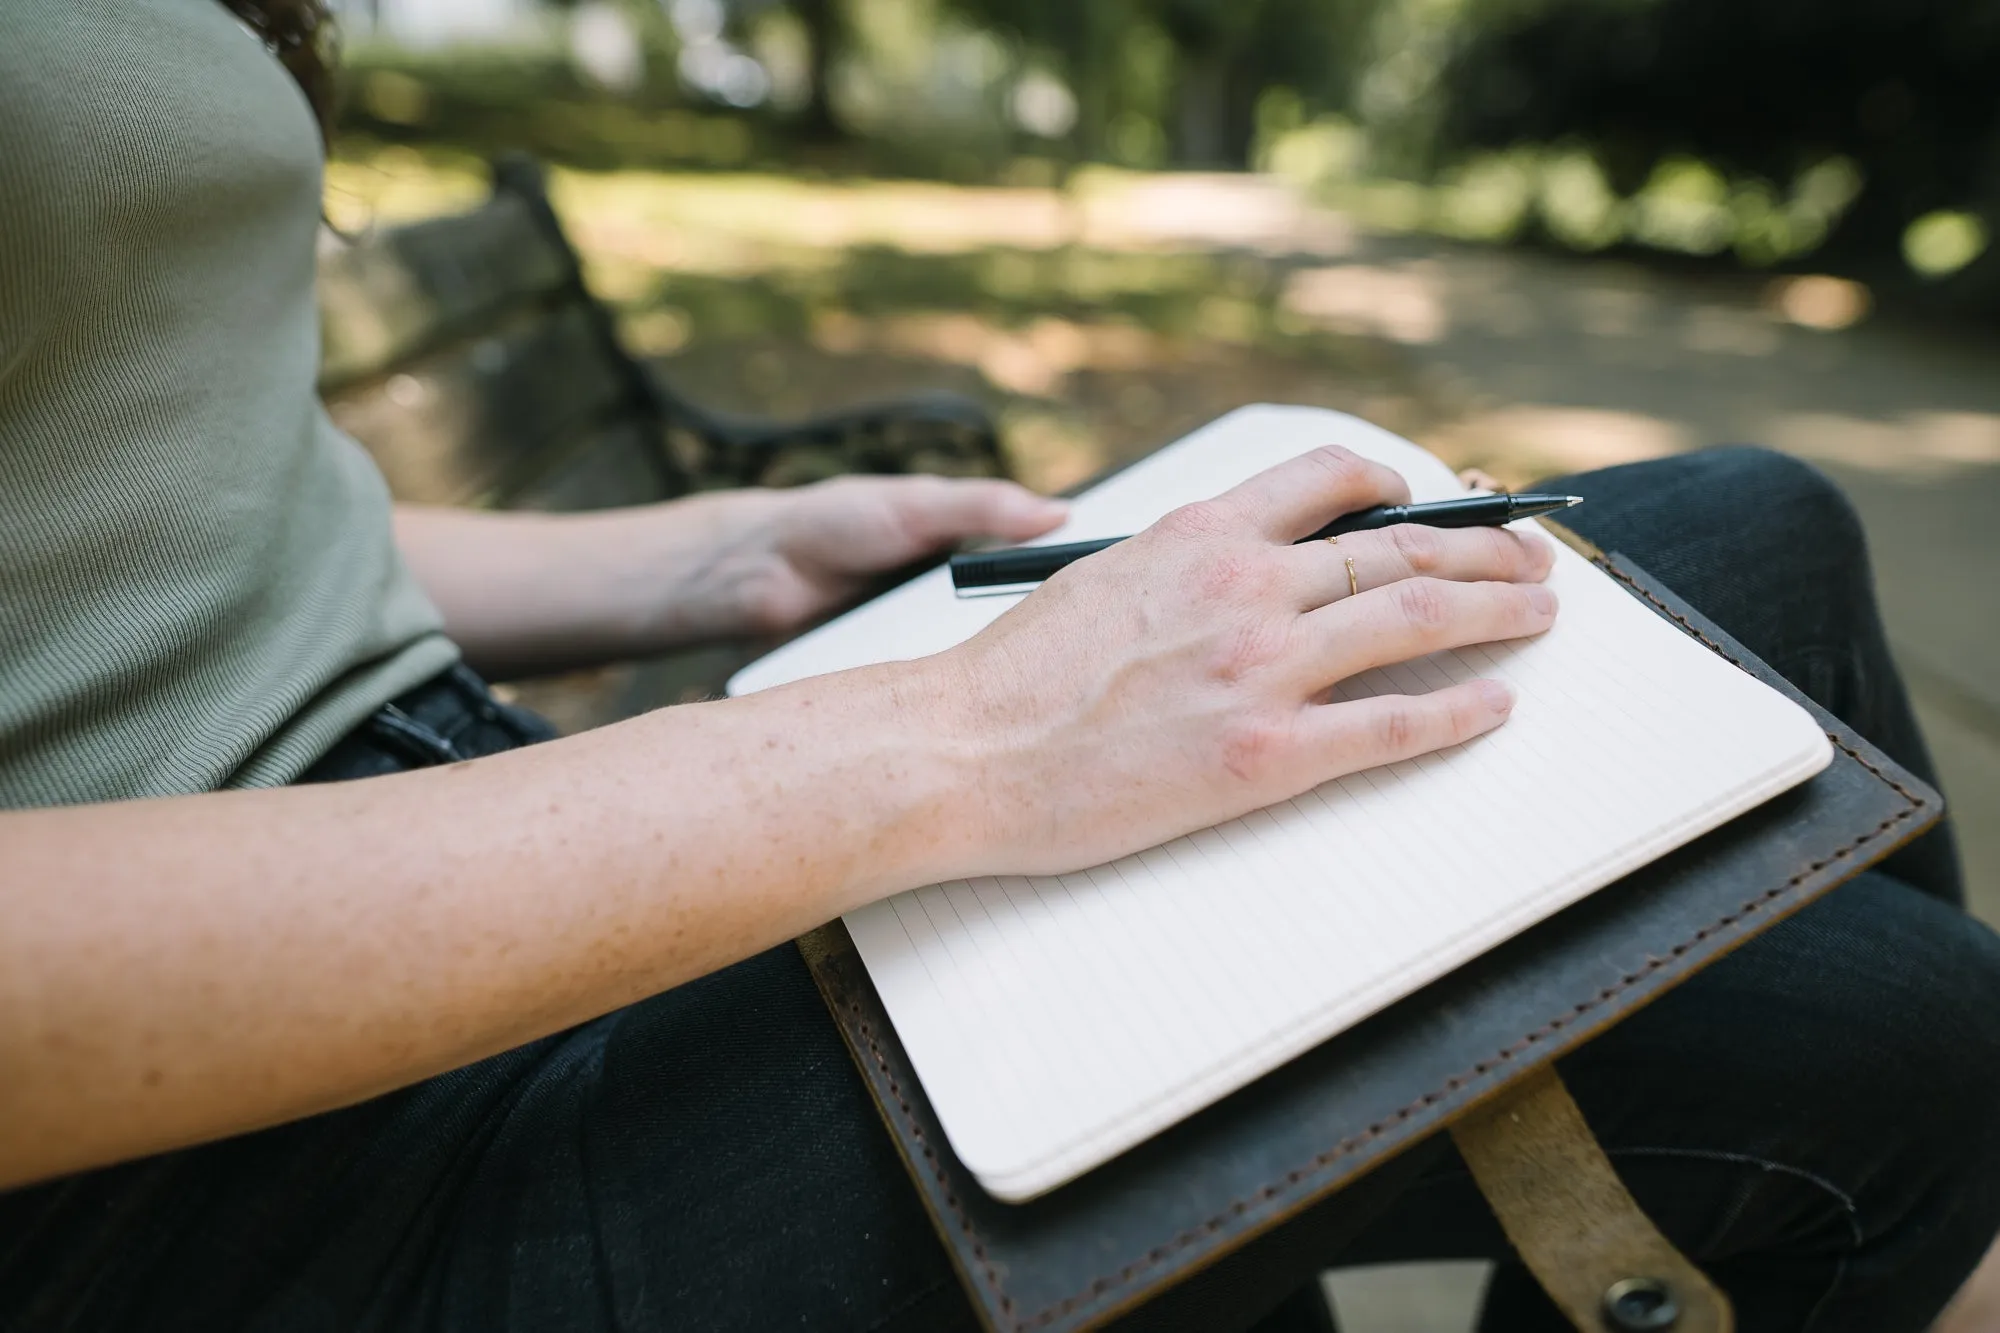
1523	602
1397	728
1202	519
1512	552
1342	472
1239	575
1249	648
1251	747
1421	548
1338	463
1423	604
1347	473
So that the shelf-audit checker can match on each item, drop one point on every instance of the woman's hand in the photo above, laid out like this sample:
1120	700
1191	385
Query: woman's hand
1179	678
526	593
805	552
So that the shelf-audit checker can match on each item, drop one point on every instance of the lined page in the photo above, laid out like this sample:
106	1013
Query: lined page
1056	1021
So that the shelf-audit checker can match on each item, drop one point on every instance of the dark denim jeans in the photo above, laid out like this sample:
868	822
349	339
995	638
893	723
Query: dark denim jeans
1815	1119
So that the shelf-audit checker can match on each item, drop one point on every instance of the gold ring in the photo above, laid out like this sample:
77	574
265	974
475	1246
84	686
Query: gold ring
1353	584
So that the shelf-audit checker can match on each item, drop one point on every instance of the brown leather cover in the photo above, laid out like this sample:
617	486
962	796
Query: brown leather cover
1156	1215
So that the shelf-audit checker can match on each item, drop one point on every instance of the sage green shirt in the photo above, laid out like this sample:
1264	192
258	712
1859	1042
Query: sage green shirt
198	587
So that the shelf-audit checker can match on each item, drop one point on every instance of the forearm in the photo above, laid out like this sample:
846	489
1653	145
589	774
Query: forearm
177	970
523	593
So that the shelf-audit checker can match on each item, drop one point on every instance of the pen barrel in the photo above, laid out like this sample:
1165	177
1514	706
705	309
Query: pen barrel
1022	564
1473	512
1479	511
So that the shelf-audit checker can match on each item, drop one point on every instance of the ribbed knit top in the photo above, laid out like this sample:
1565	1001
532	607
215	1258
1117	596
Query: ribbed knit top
198	586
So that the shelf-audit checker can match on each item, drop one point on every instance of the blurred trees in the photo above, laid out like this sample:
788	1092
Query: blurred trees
1906	90
1194	69
1766	128
1903	96
824	23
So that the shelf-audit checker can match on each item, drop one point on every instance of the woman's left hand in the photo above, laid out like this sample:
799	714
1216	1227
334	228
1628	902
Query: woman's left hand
526	593
805	552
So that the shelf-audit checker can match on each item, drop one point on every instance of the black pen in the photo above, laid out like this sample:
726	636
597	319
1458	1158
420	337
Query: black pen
1021	567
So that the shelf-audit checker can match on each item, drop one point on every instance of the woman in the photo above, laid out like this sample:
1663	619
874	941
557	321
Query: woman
515	1042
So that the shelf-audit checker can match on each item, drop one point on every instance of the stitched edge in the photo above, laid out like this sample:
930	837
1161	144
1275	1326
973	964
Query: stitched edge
1347	1147
937	1169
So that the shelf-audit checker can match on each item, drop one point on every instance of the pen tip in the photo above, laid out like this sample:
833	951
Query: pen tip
1572	501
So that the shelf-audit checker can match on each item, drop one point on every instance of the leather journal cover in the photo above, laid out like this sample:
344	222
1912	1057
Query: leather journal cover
1179	1203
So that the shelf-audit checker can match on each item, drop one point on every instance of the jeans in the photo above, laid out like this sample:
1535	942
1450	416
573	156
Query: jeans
1814	1119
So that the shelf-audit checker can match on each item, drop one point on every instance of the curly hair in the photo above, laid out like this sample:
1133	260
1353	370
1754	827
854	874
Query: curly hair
300	34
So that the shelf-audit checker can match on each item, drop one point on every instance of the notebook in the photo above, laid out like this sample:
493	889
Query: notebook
1056	1021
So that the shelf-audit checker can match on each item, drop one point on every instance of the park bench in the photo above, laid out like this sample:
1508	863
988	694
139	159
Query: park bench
470	358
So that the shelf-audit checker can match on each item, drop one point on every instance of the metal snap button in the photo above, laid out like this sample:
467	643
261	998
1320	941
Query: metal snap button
1640	1305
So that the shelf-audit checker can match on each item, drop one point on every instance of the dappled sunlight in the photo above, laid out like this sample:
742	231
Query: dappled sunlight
1817	301
1104	316
1036	360
1526	440
655	213
1404	305
1126	209
1924	444
399	184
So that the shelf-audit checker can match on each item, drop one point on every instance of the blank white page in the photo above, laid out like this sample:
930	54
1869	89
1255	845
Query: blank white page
1056	1021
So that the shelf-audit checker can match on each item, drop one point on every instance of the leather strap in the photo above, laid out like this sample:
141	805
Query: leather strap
1571	1220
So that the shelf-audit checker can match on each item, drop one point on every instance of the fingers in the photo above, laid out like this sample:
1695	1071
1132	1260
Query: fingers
1410	550
1290	500
1364	733
1413	617
937	511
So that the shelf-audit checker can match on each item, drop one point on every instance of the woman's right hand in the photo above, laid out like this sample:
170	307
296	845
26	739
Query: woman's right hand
1180	678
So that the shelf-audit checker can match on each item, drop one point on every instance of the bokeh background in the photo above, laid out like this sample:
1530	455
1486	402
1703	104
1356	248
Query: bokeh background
1534	235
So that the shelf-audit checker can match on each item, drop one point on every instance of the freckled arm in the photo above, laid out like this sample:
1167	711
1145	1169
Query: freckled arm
178	970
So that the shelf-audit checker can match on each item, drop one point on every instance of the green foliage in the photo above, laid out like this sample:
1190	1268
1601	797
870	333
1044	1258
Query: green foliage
1760	132
491	100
